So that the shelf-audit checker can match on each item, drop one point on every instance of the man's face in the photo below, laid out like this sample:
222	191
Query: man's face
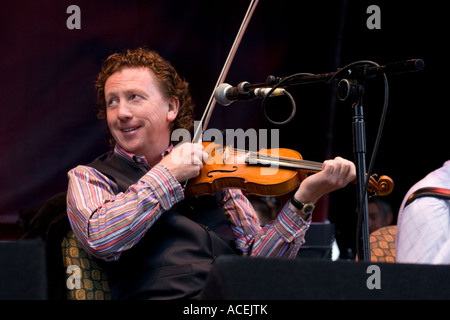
137	113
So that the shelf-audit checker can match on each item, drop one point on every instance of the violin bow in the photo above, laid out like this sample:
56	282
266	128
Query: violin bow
223	74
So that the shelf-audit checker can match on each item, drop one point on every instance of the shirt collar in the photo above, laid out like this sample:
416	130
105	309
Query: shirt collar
135	159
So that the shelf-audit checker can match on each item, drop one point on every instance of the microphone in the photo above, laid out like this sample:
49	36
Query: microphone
225	94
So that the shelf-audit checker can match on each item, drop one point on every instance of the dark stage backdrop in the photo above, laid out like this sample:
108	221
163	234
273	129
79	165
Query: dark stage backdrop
47	73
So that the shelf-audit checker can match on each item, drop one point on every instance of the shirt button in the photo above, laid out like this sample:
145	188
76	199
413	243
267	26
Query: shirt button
172	199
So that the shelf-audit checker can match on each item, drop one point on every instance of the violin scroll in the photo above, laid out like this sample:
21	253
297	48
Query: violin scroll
381	186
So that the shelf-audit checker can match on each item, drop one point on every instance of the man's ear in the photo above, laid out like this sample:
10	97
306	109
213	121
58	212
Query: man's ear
173	104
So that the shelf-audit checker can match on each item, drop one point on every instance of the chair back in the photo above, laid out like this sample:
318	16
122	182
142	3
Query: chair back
85	279
382	244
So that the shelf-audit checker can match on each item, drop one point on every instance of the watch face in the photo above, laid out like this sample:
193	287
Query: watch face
308	208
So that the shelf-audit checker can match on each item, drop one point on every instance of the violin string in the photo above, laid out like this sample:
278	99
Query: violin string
290	160
294	163
283	161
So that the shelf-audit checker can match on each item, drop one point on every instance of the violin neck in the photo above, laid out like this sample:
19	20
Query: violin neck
254	158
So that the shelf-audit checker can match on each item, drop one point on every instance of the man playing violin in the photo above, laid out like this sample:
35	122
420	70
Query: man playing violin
128	207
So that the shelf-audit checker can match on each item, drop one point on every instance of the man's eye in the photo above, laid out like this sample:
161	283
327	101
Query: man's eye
112	101
135	96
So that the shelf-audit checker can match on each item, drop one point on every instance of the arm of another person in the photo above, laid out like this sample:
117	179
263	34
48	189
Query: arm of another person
423	230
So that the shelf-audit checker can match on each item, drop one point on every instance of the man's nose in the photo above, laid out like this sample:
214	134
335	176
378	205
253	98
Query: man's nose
124	111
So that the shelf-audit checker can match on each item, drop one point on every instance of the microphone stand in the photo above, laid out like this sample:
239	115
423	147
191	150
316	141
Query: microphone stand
355	70
353	91
351	87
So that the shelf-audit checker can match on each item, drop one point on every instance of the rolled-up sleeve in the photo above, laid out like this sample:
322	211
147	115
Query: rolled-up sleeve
282	237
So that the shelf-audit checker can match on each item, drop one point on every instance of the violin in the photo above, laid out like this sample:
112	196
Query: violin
268	172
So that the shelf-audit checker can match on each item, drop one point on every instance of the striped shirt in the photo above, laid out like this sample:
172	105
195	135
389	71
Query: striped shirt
107	221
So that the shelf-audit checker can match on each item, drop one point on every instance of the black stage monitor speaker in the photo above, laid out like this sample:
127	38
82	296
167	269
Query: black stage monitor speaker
23	270
318	242
242	278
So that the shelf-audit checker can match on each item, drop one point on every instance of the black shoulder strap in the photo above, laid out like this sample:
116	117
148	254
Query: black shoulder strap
429	192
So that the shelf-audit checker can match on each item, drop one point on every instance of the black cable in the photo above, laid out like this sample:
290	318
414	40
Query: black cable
294	106
294	110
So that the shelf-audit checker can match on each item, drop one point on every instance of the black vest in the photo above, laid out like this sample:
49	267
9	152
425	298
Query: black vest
174	257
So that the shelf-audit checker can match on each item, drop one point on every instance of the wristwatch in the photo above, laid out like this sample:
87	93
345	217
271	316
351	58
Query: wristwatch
305	208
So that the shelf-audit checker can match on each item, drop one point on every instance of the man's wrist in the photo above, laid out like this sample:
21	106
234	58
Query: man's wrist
304	209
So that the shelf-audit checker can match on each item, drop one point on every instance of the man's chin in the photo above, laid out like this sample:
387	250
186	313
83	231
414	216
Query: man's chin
129	147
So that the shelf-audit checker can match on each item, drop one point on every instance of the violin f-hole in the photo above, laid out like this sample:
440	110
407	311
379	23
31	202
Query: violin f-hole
209	174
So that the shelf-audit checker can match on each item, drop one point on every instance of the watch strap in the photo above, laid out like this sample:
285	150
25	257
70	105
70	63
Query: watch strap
299	205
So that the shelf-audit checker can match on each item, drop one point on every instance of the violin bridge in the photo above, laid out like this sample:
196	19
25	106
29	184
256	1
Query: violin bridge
226	154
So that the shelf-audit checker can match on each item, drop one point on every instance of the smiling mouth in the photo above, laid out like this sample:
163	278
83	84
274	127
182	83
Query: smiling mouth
130	129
